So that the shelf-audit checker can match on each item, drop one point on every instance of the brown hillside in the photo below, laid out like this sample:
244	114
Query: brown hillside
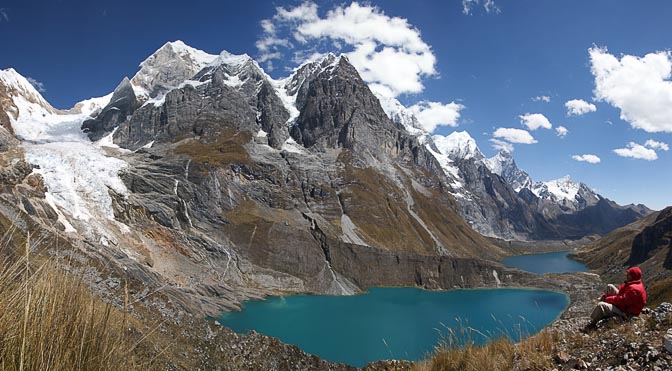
646	243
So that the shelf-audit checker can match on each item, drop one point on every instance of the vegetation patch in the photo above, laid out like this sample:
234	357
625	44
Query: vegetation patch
659	291
49	320
379	211
224	149
533	353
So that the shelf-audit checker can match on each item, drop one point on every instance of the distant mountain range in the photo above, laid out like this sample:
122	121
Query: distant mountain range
498	199
204	174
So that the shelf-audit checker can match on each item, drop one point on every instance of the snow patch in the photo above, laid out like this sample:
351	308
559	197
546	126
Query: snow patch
350	231
290	145
49	198
148	145
108	140
92	105
288	101
78	175
400	114
229	59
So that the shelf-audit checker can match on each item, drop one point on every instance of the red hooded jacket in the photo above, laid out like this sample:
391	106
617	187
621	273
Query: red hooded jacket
631	296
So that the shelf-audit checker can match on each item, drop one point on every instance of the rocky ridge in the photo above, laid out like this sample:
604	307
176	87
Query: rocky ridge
231	185
501	200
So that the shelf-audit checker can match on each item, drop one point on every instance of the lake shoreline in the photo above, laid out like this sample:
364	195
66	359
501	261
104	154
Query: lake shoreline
580	289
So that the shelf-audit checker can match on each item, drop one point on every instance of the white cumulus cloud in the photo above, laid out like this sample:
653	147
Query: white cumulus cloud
514	135
639	86
578	107
501	145
534	121
542	98
561	131
434	114
592	159
388	52
637	151
657	145
36	84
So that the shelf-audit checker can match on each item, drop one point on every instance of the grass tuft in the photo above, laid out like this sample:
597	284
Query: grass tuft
49	320
457	352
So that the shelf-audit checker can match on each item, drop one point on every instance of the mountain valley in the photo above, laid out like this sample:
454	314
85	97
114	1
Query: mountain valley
202	182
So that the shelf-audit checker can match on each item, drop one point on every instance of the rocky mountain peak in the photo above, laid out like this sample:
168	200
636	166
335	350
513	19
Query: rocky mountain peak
17	87
122	104
567	194
505	166
401	115
337	108
558	189
168	67
233	70
308	71
458	145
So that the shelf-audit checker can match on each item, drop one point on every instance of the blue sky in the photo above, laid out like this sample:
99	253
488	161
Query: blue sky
476	65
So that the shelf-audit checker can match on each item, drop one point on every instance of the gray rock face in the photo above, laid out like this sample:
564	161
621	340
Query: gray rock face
235	98
122	104
246	76
7	140
168	67
202	111
495	209
505	166
272	115
338	110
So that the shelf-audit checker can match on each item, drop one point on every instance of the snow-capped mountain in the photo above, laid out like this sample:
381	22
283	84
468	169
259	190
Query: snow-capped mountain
505	166
401	115
24	94
566	193
168	67
498	198
563	192
458	145
558	189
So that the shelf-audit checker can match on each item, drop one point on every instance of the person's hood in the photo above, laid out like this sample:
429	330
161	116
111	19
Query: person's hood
635	273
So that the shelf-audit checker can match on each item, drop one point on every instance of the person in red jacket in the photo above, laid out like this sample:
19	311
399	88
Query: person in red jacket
625	301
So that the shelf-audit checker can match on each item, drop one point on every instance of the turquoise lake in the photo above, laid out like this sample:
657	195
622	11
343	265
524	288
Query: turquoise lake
552	262
395	323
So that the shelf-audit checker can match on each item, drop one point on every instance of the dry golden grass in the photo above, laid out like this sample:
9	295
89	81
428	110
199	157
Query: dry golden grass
49	320
533	353
659	291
